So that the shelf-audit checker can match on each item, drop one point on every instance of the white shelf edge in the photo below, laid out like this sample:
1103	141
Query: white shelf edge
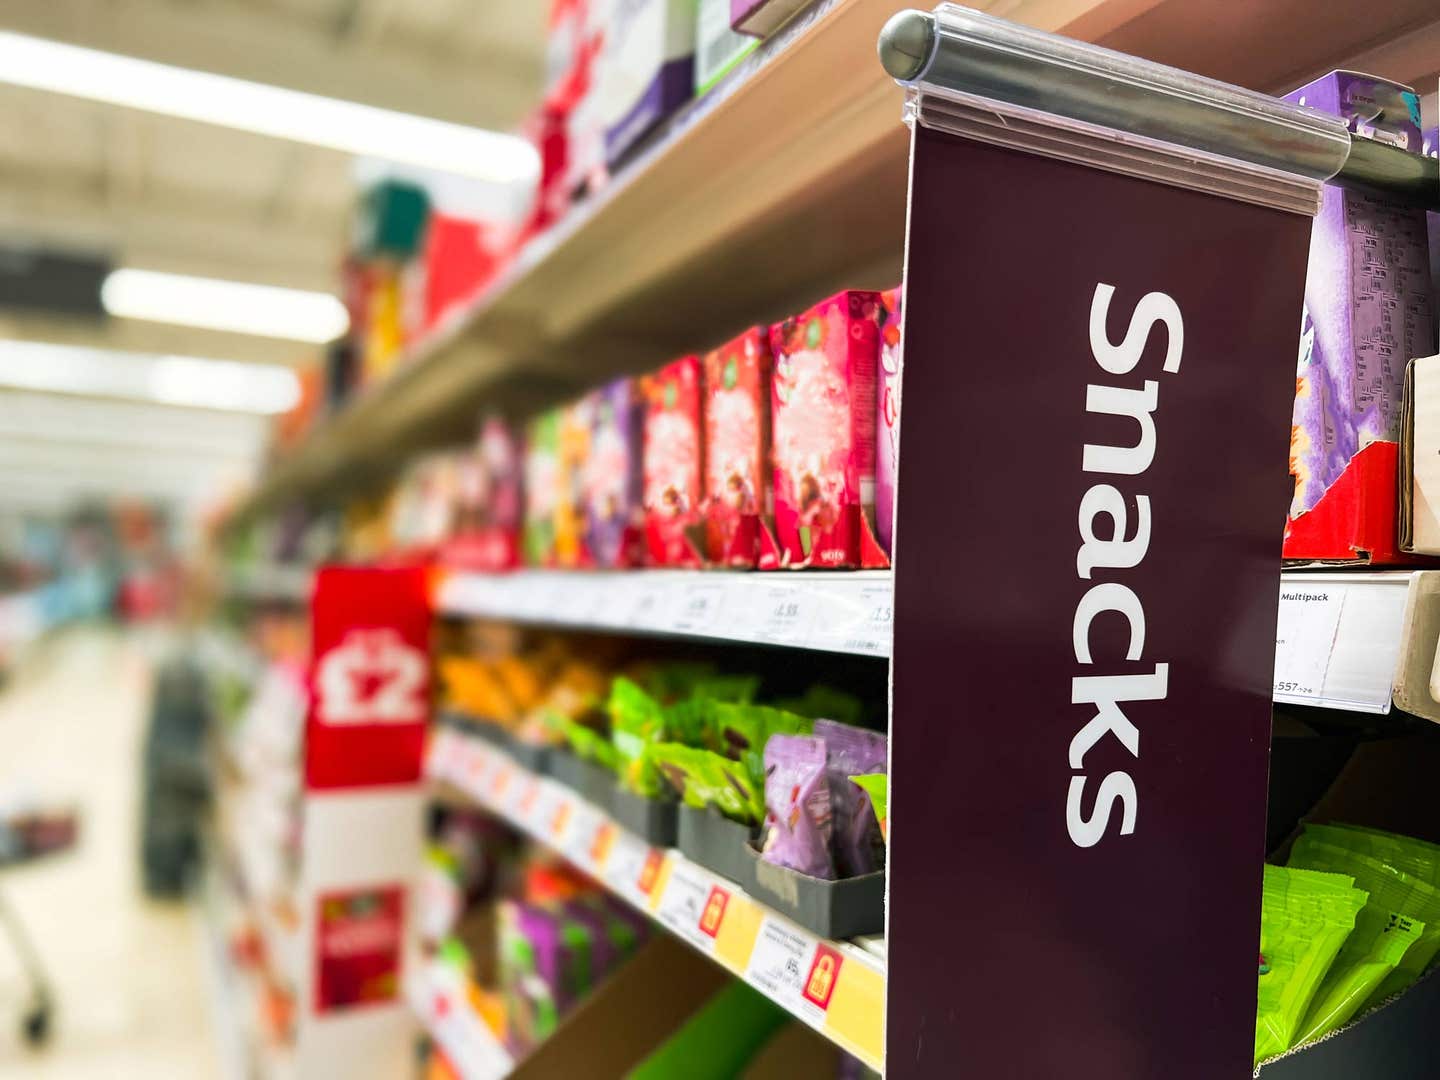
840	611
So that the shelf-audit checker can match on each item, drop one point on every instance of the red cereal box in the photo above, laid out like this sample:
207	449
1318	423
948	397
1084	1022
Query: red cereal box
673	463
738	503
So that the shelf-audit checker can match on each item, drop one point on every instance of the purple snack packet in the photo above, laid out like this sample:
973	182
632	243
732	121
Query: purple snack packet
798	823
612	477
852	751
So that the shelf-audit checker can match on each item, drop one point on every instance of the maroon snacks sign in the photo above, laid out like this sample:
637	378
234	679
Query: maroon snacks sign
1100	374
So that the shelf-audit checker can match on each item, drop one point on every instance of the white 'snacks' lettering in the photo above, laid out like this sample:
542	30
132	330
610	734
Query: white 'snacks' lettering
1111	540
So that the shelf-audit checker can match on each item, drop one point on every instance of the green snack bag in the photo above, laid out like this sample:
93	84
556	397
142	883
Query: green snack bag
1372	951
704	778
877	787
691	721
821	702
636	722
1305	918
1390	890
675	680
740	732
586	742
1409	856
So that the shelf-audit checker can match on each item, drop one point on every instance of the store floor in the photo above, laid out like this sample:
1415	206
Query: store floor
133	992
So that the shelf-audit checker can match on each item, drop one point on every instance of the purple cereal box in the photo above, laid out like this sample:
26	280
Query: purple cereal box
1368	310
614	479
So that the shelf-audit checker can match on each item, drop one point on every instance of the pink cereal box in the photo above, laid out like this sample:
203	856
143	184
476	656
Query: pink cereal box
738	501
887	419
673	463
823	404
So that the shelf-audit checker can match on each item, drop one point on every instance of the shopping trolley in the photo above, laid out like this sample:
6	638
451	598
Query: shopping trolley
24	837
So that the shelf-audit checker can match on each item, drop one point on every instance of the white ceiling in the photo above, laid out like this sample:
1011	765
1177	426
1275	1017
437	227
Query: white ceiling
181	196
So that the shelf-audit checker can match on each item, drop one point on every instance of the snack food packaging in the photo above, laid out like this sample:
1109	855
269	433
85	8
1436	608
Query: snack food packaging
852	751
614	479
823	409
887	418
718	46
1390	890
573	451
488	502
798	820
876	787
673	463
738	475
542	448
648	70
1305	918
1368	310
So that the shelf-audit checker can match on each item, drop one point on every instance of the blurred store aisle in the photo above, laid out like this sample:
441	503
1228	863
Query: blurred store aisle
133	997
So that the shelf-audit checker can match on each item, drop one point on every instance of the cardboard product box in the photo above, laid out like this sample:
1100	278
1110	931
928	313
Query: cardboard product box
542	469
739	503
648	69
1430	147
614	480
761	18
573	452
718	46
887	418
674	461
1420	458
823	408
488	503
1368	310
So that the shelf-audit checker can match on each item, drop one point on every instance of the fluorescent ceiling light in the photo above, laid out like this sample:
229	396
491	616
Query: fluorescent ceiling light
213	304
168	380
266	110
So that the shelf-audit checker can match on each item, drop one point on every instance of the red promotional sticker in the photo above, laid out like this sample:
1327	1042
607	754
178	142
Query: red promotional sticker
358	938
370	678
714	913
650	871
824	971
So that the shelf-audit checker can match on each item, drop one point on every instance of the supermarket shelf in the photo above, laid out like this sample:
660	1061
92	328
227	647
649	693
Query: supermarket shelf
1361	641
747	203
749	940
783	183
831	611
438	995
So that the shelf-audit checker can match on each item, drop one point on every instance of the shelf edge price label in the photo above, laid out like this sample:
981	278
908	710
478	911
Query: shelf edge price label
626	866
786	965
643	610
785	614
579	839
691	904
698	608
1309	617
601	843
